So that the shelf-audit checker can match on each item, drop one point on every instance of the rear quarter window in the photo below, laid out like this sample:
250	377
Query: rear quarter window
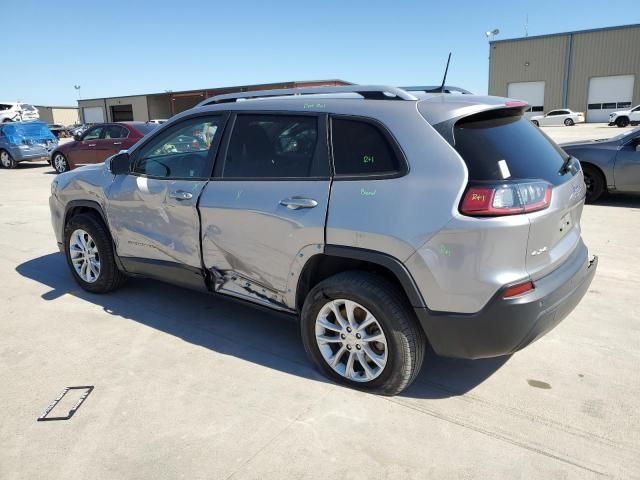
490	140
361	148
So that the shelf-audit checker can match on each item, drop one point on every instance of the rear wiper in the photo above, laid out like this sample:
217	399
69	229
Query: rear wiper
565	165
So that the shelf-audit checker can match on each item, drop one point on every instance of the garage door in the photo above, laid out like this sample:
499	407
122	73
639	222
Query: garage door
93	114
530	92
608	94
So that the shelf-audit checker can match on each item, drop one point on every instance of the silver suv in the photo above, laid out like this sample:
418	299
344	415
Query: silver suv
385	221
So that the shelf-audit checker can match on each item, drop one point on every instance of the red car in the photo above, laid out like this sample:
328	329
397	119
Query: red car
98	143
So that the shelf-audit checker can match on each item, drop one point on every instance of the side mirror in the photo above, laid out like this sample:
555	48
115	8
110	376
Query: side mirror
77	137
119	164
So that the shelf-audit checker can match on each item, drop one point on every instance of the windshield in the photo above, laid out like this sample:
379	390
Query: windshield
146	128
18	132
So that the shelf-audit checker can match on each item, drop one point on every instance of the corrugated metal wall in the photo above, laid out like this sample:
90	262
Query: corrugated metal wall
545	59
600	54
614	51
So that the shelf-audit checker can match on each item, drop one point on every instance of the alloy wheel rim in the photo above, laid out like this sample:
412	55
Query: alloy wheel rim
59	163
4	158
84	256
351	340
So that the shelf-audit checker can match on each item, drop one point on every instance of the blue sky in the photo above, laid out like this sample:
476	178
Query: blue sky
119	47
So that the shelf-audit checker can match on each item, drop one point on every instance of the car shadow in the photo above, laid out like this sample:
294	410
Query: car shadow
29	165
261	336
619	200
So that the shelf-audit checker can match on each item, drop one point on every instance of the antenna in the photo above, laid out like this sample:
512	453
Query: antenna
444	79
526	26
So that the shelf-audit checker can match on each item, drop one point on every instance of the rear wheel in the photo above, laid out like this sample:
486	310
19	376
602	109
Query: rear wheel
568	122
622	122
90	255
361	331
594	181
6	160
60	163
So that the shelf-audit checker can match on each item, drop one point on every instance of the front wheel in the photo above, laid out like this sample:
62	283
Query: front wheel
60	163
535	122
568	122
90	255
622	122
360	331
6	160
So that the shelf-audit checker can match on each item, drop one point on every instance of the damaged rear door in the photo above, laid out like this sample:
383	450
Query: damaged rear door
266	207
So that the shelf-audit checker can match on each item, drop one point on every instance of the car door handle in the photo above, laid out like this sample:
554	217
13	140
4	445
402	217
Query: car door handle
181	195
92	144
295	203
117	143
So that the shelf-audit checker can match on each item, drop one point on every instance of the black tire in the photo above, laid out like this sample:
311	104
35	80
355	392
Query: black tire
622	122
61	166
406	342
535	122
568	122
110	277
6	160
595	183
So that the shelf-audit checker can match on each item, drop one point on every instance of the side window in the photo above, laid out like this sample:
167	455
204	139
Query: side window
360	148
182	151
275	146
93	134
553	113
116	131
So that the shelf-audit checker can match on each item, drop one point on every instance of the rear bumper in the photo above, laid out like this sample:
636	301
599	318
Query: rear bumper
506	326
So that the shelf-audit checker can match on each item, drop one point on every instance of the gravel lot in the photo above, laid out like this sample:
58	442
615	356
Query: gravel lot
192	386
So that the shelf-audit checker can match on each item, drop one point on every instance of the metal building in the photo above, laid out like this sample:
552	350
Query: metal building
592	71
164	105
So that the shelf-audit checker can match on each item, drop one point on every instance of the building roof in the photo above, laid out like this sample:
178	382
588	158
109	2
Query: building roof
238	88
519	39
57	106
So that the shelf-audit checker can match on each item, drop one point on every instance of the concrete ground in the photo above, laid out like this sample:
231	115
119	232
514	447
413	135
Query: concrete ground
583	131
192	386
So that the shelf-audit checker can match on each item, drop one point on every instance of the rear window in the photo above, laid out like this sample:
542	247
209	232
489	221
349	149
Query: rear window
499	145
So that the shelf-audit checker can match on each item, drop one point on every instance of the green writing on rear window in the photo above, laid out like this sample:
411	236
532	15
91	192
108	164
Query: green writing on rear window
314	105
368	159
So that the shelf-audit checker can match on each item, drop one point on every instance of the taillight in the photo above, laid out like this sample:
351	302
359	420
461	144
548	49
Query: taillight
517	290
494	200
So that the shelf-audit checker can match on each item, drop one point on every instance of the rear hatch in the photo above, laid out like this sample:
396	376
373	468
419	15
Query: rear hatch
515	169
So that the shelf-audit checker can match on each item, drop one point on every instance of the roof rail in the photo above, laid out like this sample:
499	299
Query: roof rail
369	92
437	89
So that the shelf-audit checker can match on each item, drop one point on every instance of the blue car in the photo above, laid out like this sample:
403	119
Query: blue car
24	142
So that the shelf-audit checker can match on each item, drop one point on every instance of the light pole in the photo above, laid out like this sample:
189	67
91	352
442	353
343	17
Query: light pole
77	87
490	36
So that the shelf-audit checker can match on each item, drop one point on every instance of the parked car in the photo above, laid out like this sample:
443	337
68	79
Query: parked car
315	206
97	143
59	130
558	117
609	164
25	141
624	118
79	129
158	121
17	112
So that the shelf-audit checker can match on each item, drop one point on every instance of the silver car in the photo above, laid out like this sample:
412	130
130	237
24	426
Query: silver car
609	165
383	221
